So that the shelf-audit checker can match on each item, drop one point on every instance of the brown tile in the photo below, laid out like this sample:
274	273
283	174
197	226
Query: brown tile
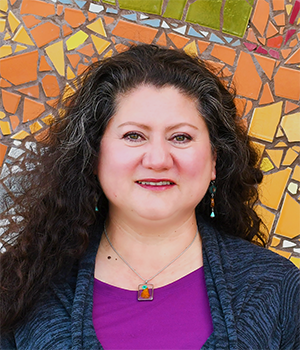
246	78
30	21
32	91
288	226
271	30
287	83
134	32
179	40
224	53
50	86
32	109
290	106
295	58
45	33
10	101
37	7
14	121
87	50
12	68
74	17
280	19
3	149
266	96
44	66
261	16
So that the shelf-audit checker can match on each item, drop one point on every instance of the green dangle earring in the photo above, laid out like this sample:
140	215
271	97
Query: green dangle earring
212	190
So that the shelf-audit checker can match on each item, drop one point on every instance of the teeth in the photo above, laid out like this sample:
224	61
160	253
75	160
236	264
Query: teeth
160	183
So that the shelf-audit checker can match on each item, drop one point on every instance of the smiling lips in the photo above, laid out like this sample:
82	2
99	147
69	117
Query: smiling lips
156	184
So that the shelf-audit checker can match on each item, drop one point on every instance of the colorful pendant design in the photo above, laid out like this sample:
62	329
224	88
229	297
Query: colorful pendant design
145	292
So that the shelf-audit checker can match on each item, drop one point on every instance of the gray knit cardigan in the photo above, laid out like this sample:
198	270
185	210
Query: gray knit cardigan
254	296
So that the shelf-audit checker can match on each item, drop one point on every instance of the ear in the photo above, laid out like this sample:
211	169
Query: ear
214	161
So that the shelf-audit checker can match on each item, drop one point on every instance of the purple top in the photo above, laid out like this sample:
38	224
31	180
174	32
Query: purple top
178	317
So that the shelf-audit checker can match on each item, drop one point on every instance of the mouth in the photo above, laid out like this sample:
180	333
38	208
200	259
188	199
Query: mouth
155	183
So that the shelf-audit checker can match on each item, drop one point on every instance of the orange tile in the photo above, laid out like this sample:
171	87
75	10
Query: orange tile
12	68
32	91
74	59
267	64
121	47
133	31
251	36
275	241
85	60
162	41
287	83
108	20
285	52
94	59
179	40
288	225
261	16
266	96
66	30
271	30
10	101
52	103
248	107
59	10
3	149
240	104
290	157
30	21
246	78
296	173
290	106
295	58
81	68
42	136
50	86
32	109
226	72
224	53
14	121
216	67
280	19
4	83
272	188
278	5
74	17
37	7
262	40
202	45
91	16
281	143
87	50
44	66
275	155
293	43
12	2
113	39
45	33
281	30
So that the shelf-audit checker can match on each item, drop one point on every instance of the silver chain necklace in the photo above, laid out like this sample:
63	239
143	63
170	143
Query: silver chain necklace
145	290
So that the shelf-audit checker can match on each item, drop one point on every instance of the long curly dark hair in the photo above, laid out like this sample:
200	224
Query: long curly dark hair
58	203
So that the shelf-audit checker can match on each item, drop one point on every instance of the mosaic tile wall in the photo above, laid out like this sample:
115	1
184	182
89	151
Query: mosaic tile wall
254	43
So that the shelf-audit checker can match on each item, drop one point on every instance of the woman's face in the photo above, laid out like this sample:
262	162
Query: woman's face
156	160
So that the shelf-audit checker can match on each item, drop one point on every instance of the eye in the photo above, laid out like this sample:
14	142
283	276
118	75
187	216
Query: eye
133	136
181	138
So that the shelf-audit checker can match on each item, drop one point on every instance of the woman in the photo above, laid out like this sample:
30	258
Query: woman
140	220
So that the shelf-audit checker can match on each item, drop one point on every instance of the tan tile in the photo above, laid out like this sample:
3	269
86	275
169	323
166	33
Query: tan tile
281	252
281	144
291	125
289	224
275	241
266	216
290	157
276	156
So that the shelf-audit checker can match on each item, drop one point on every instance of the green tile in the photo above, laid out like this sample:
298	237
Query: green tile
111	2
251	2
175	9
236	17
148	6
205	13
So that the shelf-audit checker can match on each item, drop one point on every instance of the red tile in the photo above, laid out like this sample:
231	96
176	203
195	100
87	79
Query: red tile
295	11
275	42
289	34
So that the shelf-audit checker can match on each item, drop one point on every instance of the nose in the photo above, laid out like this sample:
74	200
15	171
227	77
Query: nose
158	156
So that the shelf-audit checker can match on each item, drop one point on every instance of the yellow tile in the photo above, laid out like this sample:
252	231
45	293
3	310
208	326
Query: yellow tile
294	259
20	48
291	126
279	133
13	21
35	127
108	54
281	144
289	157
76	40
5	50
97	27
296	148
56	54
288	224
2	115
259	147
281	252
100	44
7	36
288	8
296	173
272	187
275	155
298	22
266	165
5	128
22	37
293	188
70	74
275	241
265	121
49	119
3	5
266	216
191	49
20	135
2	25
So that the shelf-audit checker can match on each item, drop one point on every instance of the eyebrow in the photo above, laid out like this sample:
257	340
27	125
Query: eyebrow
146	127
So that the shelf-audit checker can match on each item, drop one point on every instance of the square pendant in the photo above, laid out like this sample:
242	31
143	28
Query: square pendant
145	292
